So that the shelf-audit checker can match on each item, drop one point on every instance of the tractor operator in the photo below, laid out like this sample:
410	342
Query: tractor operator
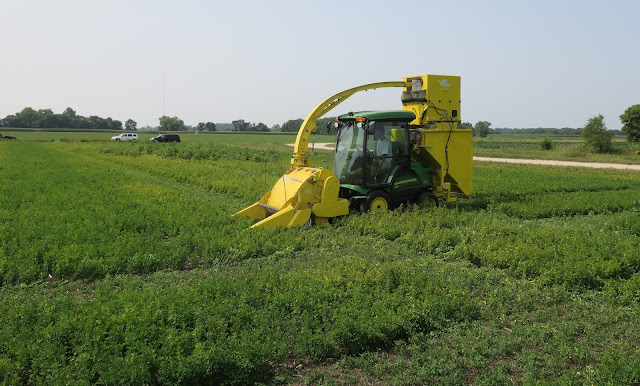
381	158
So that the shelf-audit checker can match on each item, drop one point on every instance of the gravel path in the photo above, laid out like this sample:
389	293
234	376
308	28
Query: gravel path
330	146
558	163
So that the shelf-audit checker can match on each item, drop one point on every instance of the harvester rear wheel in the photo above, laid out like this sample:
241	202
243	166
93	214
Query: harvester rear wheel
427	199
376	201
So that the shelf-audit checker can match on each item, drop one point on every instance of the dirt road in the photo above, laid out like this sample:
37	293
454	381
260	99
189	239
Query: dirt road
330	146
558	163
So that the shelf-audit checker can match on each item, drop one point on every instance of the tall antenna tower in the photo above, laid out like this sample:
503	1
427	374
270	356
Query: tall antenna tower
163	91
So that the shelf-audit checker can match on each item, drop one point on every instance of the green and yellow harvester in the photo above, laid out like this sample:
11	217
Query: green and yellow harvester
382	159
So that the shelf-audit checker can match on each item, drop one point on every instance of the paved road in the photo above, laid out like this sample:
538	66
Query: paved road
330	146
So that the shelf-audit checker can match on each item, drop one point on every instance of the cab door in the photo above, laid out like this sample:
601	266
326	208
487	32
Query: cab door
392	137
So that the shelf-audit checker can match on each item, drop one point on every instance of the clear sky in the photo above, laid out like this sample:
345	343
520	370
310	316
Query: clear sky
523	64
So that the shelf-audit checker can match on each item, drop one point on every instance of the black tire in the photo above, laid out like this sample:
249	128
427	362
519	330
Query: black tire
376	201
427	199
310	222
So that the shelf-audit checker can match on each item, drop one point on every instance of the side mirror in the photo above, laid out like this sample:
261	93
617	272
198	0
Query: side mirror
329	126
333	125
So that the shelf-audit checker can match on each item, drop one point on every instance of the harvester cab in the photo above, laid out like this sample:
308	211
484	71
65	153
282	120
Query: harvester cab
373	152
382	159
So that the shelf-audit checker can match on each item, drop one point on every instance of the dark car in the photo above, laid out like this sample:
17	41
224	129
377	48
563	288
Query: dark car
6	137
166	138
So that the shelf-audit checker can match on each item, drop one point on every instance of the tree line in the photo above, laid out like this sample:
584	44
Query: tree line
45	118
68	119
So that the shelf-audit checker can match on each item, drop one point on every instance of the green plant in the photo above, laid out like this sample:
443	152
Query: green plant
596	135
546	144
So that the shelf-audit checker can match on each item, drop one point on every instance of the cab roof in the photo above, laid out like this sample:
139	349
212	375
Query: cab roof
397	115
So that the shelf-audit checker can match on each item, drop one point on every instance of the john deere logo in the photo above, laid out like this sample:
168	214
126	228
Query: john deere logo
405	181
444	83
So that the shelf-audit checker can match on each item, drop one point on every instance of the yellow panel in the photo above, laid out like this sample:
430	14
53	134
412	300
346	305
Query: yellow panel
397	134
433	98
288	186
450	152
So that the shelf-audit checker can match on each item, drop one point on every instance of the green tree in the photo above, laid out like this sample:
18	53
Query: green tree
95	122
596	135
209	126
171	123
631	123
82	122
292	125
69	112
130	125
546	144
115	124
112	124
482	128
260	127
325	125
25	118
45	118
69	119
241	125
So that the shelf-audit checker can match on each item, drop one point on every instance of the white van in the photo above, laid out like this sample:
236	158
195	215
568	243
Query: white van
125	137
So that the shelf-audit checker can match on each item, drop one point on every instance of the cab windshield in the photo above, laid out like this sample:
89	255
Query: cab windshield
348	160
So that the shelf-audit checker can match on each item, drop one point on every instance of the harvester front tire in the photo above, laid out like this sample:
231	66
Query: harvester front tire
376	201
427	199
310	222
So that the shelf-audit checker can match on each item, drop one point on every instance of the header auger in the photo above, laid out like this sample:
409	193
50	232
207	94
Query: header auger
382	158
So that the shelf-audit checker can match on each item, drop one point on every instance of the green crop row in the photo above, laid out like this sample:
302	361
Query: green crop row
495	181
579	253
525	145
519	145
210	327
201	151
566	204
77	217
